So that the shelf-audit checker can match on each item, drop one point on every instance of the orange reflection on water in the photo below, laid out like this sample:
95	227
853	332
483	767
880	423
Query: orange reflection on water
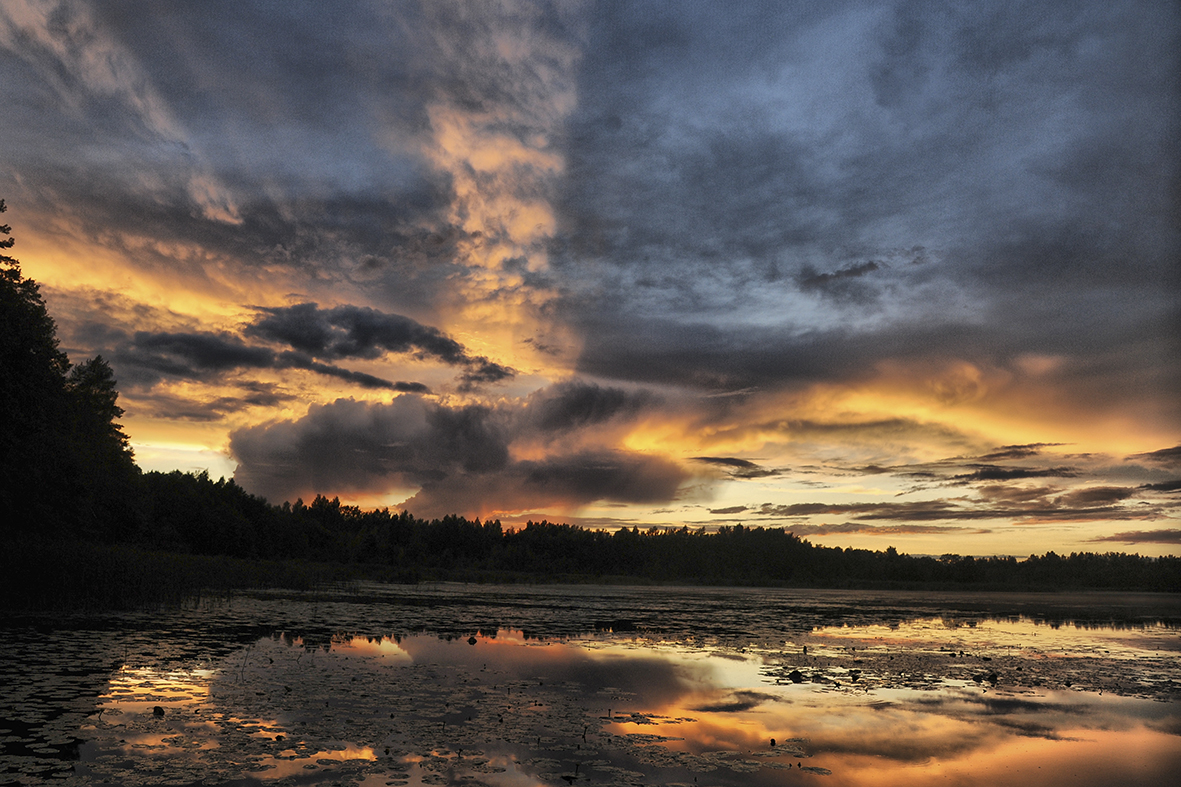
1094	757
143	689
379	647
538	710
968	735
290	763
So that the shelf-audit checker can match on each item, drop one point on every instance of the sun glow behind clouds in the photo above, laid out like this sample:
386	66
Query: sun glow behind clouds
166	457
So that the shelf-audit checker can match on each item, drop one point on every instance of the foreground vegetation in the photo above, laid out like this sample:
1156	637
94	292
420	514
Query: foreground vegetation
83	527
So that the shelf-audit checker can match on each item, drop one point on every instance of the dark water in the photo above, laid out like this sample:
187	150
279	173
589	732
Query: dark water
484	685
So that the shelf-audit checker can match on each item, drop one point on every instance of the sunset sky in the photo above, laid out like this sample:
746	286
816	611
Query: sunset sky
881	273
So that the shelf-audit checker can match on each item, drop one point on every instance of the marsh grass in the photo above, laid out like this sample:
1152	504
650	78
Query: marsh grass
79	576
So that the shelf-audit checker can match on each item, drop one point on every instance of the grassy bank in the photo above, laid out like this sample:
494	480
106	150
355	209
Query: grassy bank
85	577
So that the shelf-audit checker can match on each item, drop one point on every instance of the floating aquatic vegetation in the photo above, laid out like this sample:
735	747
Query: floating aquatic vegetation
277	691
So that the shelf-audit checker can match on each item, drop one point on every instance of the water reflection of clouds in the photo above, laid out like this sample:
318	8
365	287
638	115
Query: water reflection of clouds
614	671
536	709
931	735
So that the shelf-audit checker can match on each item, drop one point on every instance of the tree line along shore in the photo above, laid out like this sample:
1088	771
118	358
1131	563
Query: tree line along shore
84	526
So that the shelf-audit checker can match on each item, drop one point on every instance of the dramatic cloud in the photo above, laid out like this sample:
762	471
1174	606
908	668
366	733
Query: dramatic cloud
1164	486
994	473
1144	537
1169	457
860	265
458	457
565	482
838	283
199	355
355	332
356	446
574	404
247	395
739	468
192	354
1008	452
948	187
879	530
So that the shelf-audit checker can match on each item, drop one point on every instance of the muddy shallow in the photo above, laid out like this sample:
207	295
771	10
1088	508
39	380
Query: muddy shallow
515	686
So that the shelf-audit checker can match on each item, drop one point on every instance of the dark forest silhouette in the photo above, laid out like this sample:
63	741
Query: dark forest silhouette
68	478
65	464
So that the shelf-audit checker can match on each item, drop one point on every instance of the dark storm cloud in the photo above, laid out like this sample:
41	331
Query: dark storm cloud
729	510
995	473
342	333
459	456
1015	165
149	357
565	480
1164	486
1000	181
353	446
202	126
739	468
322	66
1016	494
1144	537
711	356
921	510
295	360
361	332
999	492
482	371
1096	495
726	461
587	476
353	332
742	701
847	528
1040	509
339	238
574	404
172	406
840	283
1016	451
190	354
991	478
1169	457
280	136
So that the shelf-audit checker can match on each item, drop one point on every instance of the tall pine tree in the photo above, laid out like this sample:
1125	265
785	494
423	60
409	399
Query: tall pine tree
65	464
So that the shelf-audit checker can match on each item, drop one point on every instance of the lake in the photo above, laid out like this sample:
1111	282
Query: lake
546	685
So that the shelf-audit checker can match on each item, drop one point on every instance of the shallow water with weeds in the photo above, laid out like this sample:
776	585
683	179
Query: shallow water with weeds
484	685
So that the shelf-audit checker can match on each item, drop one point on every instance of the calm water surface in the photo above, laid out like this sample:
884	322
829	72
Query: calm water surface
518	686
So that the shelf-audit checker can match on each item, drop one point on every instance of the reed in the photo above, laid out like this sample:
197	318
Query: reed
81	576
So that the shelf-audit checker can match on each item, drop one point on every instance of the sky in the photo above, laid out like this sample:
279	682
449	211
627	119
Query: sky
880	273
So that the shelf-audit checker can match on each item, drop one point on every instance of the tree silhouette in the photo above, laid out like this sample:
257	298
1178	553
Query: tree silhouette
65	463
105	473
32	396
